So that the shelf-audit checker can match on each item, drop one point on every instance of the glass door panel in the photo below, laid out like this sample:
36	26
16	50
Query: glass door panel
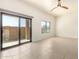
24	30
10	28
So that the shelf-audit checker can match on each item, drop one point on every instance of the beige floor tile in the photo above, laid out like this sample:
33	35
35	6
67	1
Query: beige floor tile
53	48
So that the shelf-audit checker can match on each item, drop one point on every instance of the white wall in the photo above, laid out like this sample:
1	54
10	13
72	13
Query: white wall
66	25
19	6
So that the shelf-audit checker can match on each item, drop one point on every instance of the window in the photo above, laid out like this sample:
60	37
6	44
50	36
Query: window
10	27
15	30
24	30
45	26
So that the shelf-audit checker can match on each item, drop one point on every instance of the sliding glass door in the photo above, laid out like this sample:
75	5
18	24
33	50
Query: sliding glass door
24	30
15	30
10	28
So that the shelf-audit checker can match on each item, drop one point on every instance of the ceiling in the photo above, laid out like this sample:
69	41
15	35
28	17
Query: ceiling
47	5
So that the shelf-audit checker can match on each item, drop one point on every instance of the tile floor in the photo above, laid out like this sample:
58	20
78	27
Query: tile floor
53	48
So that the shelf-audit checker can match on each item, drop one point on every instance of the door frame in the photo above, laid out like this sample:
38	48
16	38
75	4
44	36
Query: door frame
1	30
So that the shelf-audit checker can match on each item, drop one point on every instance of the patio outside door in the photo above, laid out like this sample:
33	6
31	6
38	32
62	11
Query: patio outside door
10	30
24	30
15	30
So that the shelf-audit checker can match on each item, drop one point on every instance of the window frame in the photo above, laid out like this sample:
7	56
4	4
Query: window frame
45	30
7	12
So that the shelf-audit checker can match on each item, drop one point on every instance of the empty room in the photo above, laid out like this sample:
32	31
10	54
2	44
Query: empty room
38	29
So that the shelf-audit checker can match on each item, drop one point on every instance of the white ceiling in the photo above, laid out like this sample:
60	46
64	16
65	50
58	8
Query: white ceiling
47	5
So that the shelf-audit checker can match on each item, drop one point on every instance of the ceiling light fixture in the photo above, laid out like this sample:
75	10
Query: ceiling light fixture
59	5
